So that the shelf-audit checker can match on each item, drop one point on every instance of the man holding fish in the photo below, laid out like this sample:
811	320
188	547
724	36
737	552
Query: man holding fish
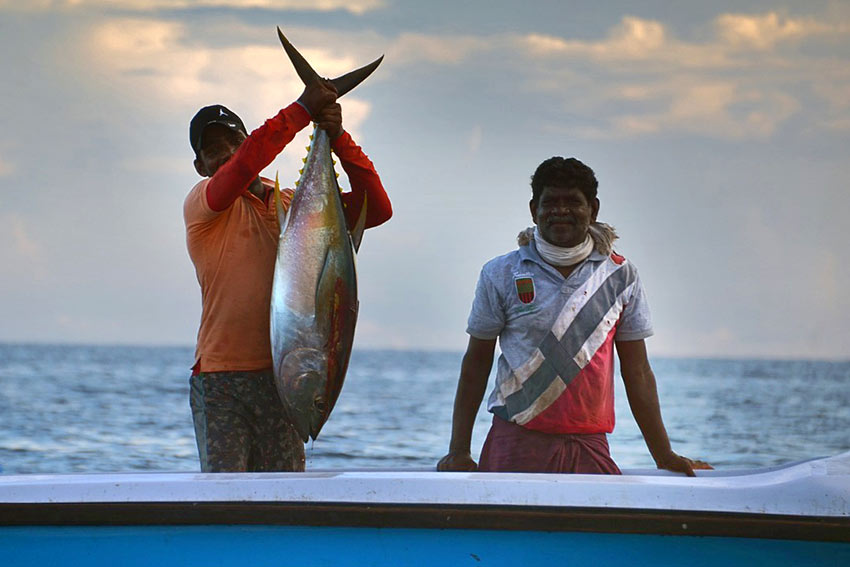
232	230
558	305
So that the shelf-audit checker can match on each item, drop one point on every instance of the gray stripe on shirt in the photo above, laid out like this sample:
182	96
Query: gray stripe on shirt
559	355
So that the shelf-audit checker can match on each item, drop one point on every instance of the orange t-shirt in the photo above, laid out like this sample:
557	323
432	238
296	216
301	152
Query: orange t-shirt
234	332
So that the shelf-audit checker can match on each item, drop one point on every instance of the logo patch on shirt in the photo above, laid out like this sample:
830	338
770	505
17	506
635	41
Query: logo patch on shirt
525	289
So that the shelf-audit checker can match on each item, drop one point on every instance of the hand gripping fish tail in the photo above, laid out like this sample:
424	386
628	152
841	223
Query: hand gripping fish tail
314	303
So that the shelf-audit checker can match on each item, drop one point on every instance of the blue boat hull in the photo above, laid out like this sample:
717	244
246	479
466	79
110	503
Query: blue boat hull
797	514
259	545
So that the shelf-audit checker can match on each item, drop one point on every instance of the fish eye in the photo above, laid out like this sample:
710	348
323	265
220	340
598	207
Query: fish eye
321	405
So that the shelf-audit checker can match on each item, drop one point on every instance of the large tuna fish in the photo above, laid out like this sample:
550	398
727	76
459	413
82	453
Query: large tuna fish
314	295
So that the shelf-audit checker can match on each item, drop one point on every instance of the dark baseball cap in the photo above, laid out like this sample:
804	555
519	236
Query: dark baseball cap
214	114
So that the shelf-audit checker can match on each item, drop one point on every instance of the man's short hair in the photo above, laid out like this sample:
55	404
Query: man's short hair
563	172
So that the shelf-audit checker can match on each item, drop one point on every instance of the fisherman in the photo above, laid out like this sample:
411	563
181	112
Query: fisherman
558	305
232	234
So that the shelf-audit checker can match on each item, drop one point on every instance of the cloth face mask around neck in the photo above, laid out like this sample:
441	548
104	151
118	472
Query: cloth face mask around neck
562	257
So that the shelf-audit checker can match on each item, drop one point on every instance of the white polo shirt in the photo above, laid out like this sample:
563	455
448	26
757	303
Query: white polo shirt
556	334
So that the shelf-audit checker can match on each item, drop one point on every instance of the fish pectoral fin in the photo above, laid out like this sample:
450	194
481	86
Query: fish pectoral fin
325	288
359	227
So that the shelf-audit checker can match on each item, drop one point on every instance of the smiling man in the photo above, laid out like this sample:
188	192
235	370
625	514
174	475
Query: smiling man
558	306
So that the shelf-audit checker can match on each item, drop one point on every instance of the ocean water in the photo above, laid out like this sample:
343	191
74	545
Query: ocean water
67	409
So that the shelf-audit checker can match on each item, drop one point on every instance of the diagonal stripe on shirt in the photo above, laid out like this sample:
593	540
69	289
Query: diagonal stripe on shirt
572	306
565	358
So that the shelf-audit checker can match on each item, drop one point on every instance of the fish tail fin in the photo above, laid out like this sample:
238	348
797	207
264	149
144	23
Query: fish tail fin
345	83
360	226
308	75
302	67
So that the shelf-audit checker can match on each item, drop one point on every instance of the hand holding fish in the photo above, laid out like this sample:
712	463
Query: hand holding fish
329	119
317	95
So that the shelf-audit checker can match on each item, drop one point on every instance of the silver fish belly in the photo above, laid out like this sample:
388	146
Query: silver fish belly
314	295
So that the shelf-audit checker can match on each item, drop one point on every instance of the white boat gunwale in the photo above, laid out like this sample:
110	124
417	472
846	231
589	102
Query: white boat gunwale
808	500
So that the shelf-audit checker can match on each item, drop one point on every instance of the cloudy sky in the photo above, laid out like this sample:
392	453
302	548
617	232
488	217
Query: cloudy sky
718	130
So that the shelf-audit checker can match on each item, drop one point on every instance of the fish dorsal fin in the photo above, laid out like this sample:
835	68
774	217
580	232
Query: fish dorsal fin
359	226
308	75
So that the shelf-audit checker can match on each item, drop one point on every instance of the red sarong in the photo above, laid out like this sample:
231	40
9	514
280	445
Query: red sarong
512	448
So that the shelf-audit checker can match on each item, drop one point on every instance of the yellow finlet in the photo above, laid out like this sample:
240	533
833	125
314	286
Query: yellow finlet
277	202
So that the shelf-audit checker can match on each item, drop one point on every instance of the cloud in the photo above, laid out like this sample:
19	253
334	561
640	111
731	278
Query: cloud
641	80
150	60
353	6
694	104
633	38
649	40
152	66
146	58
764	31
452	50
715	108
157	68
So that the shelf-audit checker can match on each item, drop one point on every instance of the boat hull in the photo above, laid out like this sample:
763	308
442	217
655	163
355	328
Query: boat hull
348	546
797	514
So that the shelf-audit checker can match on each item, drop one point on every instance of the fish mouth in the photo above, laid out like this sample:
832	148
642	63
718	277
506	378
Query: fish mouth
303	429
306	431
307	426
